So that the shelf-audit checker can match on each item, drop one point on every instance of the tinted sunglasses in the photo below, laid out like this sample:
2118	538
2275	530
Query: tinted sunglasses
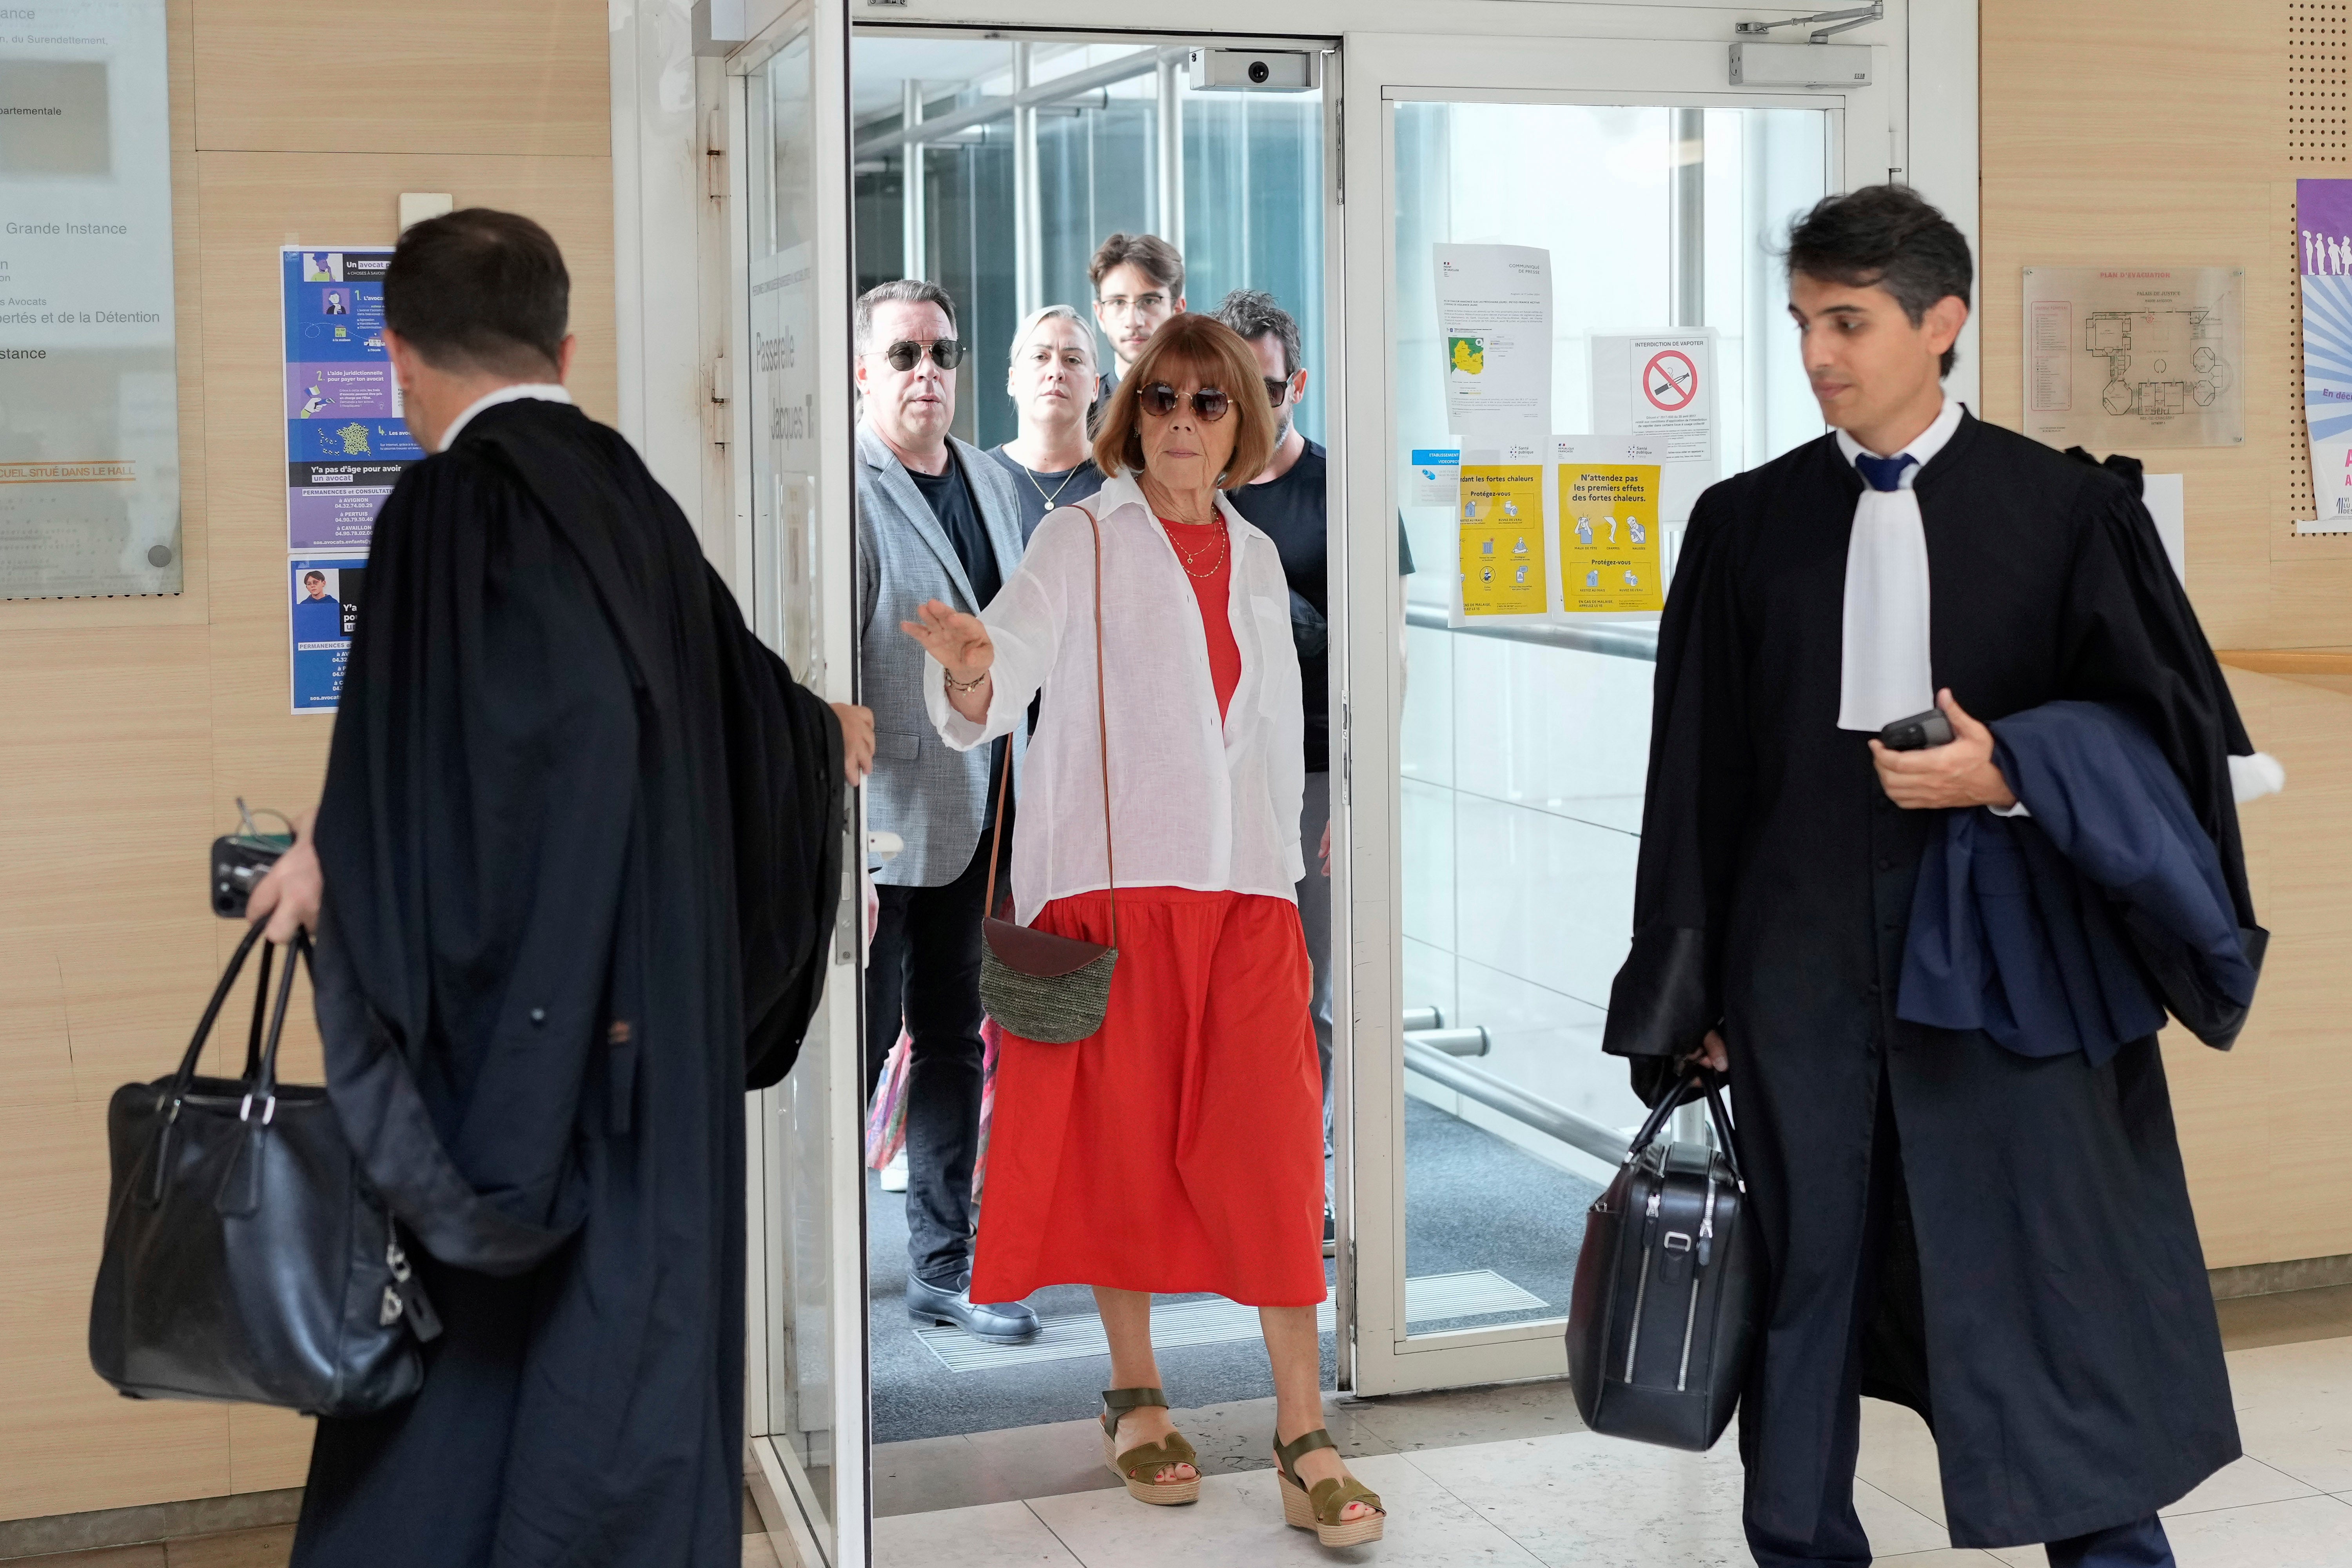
1277	388
947	353
1159	400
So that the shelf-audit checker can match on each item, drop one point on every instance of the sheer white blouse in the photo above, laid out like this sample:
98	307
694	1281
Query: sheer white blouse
1193	803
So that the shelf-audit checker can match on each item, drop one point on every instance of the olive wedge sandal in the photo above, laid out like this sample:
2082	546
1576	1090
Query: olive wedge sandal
1321	1509
1140	1466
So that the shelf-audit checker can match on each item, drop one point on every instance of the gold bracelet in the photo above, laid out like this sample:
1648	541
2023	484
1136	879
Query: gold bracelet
972	685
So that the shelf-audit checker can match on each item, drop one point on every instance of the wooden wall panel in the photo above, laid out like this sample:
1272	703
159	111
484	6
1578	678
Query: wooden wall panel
2157	133
2262	1127
403	76
132	724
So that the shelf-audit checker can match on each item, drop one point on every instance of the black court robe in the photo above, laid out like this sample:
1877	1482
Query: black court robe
2059	1333
581	835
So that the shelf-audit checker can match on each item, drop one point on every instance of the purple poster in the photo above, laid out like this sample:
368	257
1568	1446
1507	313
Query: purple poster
2322	211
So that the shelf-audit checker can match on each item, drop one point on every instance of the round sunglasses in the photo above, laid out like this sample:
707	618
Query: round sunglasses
946	353
1159	400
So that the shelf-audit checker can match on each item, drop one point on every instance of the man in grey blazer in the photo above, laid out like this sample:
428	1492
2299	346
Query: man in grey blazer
936	520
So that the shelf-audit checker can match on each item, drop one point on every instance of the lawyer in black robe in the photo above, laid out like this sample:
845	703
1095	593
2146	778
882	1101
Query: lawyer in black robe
581	839
2003	1243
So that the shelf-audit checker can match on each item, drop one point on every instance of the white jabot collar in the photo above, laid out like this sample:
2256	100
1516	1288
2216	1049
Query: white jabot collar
515	391
1885	671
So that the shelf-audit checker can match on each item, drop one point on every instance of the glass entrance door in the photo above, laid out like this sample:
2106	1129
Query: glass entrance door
786	109
1574	241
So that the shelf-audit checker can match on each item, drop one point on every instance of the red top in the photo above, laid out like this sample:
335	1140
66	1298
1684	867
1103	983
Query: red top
1198	544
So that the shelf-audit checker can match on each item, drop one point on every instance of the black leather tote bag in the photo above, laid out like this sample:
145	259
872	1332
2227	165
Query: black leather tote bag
247	1258
1668	1299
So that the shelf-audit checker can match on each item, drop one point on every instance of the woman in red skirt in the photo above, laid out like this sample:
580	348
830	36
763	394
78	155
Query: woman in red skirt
1179	1148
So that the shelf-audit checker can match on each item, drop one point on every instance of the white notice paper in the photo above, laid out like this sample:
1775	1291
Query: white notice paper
2166	499
1494	318
1661	386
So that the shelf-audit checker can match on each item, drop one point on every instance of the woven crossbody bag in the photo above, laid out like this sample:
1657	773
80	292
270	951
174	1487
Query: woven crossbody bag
1035	984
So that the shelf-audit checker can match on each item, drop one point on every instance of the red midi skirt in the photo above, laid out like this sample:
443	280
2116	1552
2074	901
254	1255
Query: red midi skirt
1179	1147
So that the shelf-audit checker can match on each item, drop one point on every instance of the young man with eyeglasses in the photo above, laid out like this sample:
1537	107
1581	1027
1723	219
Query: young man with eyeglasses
1138	282
1286	500
937	519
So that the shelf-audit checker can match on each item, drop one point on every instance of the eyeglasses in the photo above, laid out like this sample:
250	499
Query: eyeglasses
1147	303
1159	400
947	353
1278	387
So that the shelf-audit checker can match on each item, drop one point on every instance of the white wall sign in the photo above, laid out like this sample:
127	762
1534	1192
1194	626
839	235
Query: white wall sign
90	423
1661	386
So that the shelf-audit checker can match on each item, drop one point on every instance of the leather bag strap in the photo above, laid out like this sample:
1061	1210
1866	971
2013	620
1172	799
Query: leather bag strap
1102	737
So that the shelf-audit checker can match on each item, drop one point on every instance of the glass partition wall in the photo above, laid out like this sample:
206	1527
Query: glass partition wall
994	167
1524	748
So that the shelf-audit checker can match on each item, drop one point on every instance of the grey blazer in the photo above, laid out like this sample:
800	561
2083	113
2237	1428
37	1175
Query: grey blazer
930	796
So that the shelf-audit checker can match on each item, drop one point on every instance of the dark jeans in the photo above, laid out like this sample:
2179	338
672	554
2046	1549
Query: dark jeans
924	970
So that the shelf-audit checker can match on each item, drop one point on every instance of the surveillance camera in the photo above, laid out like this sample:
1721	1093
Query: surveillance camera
1259	71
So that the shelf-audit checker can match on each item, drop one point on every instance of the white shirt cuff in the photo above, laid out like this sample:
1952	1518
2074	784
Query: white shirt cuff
2250	778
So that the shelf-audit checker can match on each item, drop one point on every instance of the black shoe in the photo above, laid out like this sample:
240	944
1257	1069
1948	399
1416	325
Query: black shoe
1008	1322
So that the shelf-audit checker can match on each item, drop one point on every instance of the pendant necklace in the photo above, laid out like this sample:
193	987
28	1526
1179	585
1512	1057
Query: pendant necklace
1040	489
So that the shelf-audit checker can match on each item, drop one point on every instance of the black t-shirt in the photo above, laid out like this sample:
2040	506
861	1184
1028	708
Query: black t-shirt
1041	490
1293	511
949	495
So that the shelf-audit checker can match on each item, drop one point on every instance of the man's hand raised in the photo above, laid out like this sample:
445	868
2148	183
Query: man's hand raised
856	740
288	896
1935	778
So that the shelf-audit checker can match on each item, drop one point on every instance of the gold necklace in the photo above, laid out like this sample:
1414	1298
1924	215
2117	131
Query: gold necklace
1186	557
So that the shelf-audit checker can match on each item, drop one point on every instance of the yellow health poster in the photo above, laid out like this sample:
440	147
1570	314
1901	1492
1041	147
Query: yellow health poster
1502	529
1609	557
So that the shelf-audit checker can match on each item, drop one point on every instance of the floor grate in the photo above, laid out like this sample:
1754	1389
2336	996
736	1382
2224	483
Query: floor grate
1473	1293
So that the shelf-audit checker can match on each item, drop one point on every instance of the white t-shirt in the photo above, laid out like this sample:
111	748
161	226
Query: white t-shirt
1194	803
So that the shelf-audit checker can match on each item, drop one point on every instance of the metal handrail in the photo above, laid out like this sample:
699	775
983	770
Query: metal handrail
1604	1144
1613	639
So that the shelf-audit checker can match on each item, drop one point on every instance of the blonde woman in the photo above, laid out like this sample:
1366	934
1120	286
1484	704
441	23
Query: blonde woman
1050	379
1180	1148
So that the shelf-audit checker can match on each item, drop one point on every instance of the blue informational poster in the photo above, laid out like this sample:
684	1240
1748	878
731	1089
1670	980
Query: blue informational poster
324	607
346	445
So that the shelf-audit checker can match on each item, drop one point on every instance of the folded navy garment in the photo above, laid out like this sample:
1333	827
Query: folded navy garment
2072	929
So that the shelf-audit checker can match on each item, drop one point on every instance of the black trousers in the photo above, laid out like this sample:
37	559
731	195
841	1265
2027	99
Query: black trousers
923	971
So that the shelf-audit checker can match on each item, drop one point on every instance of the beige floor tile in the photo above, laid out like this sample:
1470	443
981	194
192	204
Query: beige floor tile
147	1556
2295	1410
1898	1458
1449	1418
994	1535
2240	1485
758	1553
2306	1532
238	1549
1944	1557
1582	1500
1238	1523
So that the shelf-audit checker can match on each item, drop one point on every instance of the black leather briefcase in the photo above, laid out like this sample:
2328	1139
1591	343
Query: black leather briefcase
1668	1298
247	1258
